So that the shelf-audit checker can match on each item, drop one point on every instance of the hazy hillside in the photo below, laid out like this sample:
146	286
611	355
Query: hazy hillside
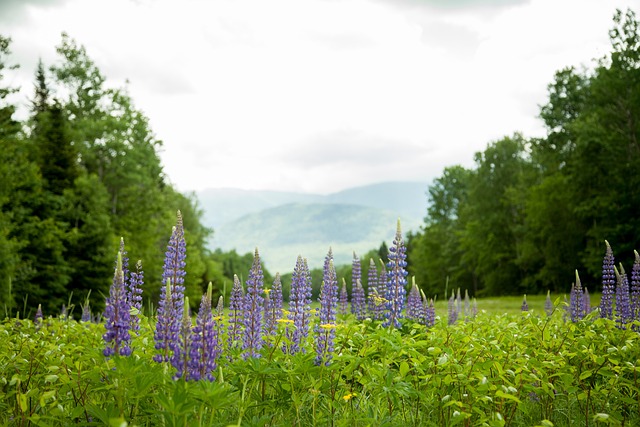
283	232
223	205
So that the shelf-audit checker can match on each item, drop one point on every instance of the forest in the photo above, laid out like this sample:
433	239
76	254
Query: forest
82	174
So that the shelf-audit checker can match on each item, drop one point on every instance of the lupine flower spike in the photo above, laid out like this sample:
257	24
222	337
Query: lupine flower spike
372	286
205	347
414	301
38	318
326	329
576	305
174	265
167	326
453	314
358	301
524	306
396	280
356	274
299	305
182	352
253	338
343	299
134	294
608	284
236	315
623	306
635	289
117	337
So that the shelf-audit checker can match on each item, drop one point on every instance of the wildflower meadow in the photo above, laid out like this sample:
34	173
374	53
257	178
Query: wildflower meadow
385	355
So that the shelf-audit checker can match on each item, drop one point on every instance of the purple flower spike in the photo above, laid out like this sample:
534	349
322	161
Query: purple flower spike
38	318
524	306
326	329
608	284
623	304
548	305
372	286
117	316
343	299
205	348
396	280
452	309
635	289
253	339
586	301
356	274
299	306
358	301
182	351
167	325
86	312
576	305
236	313
273	306
174	264
414	302
430	314
381	294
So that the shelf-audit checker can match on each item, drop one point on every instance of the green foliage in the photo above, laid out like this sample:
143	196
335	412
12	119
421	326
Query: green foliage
497	370
534	210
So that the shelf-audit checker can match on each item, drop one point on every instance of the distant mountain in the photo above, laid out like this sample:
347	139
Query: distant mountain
284	225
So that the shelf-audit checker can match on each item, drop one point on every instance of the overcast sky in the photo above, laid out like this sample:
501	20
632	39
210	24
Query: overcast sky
320	95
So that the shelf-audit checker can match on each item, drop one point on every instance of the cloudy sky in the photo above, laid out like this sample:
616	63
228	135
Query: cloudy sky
320	95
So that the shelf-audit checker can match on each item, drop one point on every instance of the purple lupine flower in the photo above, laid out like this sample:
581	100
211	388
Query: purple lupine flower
586	301
424	304
299	305
174	264
273	306
467	304
181	357
381	306
358	301
524	306
343	299
236	313
623	304
635	289
576	305
452	309
63	312
356	274
458	303
205	348
125	262
253	339
117	337
86	312
134	294
326	329
608	284
38	319
548	304
396	280
414	302
372	286
167	325
474	308
430	314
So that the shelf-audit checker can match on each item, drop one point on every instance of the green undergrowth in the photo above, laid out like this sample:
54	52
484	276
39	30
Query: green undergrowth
521	369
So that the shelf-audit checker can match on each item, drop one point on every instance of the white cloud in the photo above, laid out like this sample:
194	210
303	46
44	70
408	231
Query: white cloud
242	92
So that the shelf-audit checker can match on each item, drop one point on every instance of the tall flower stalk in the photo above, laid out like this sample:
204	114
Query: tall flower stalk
635	289
343	299
299	306
236	313
205	348
608	284
358	301
167	325
396	280
117	337
356	274
623	303
326	329
576	304
548	304
181	358
253	339
174	265
372	286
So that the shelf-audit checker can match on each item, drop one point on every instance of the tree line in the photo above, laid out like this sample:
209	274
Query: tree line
80	173
533	210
